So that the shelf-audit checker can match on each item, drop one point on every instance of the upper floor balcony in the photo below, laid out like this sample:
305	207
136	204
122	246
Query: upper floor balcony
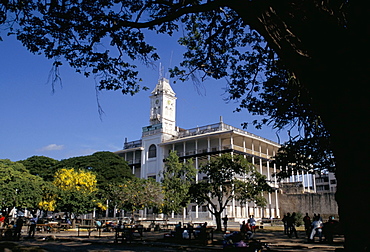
217	127
132	144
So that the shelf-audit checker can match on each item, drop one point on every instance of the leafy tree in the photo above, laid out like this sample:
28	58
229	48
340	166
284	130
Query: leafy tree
108	167
321	44
77	191
19	188
136	194
44	167
176	181
229	177
110	170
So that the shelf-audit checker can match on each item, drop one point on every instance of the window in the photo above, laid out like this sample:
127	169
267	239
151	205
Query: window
152	151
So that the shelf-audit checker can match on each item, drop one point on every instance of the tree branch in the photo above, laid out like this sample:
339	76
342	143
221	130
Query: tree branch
175	14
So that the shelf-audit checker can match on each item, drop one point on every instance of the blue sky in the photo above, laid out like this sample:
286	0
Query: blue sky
66	123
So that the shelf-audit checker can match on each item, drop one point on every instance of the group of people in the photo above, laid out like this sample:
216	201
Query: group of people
314	227
14	228
318	228
248	229
290	222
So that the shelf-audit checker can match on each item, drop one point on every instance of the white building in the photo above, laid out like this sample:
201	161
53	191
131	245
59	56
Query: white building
146	156
326	183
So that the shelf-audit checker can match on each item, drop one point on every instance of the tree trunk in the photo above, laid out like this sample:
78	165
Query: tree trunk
218	221
332	62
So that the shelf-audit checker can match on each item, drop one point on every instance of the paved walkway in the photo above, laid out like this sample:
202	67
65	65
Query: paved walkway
155	241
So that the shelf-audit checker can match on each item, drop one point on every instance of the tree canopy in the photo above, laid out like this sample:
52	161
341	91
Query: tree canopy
229	177
19	188
44	167
220	44
77	190
135	194
108	167
177	178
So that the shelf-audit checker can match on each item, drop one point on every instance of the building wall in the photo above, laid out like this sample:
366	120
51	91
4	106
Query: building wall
318	203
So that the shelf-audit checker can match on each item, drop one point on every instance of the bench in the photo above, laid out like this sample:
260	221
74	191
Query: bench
128	233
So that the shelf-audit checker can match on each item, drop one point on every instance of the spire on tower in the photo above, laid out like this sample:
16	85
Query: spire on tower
161	70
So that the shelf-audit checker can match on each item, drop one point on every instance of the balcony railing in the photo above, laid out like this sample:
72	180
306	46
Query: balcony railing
133	144
217	127
136	161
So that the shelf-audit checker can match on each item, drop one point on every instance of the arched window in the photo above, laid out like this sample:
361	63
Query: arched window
152	151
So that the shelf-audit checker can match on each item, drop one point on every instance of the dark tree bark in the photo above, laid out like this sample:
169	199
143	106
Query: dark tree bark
332	61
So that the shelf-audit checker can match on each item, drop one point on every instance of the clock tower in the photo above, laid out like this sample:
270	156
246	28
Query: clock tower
163	107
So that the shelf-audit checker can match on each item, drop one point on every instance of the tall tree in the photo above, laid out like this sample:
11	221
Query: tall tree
136	194
19	188
322	44
108	167
44	167
177	178
229	177
77	191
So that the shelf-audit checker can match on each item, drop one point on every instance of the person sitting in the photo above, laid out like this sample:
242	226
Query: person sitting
329	229
252	222
316	229
2	220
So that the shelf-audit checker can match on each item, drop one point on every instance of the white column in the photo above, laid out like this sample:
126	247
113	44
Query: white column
233	212
231	141
209	158
253	161
308	182
260	155
143	164
260	209
196	176
208	147
196	161
277	211
269	194
268	164
219	144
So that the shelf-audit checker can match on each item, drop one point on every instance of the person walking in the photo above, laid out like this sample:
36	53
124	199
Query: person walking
285	223
18	228
292	221
33	223
225	220
307	224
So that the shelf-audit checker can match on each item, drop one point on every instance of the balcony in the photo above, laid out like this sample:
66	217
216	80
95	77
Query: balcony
217	127
133	144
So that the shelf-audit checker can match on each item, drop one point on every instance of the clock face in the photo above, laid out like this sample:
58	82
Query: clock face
156	101
169	102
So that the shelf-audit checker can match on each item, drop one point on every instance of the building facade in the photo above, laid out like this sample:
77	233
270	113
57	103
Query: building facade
146	156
